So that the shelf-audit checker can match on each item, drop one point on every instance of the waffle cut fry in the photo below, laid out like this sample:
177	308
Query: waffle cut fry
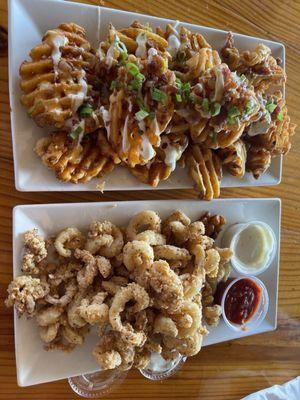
71	161
276	138
234	158
54	82
261	69
152	174
205	169
225	107
258	161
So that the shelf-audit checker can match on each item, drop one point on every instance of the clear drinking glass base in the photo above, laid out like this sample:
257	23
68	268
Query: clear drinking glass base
169	370
96	384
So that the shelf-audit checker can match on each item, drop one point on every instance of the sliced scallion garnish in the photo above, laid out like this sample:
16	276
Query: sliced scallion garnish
75	134
85	110
140	115
159	95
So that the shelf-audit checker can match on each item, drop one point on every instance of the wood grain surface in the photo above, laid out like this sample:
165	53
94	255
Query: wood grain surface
224	371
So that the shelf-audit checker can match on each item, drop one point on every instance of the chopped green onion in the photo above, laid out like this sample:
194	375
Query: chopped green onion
178	98
159	95
140	77
135	84
280	116
233	113
249	107
85	110
216	108
74	135
178	83
205	105
270	106
140	115
132	68
243	77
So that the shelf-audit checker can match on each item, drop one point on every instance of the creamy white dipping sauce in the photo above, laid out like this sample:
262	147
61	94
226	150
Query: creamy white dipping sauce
253	245
159	364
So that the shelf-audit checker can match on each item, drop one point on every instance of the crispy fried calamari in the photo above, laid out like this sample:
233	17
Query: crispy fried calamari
35	252
23	293
149	290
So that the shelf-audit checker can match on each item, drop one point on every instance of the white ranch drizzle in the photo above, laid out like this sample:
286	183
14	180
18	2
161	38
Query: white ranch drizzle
258	128
141	50
78	98
106	119
172	153
56	40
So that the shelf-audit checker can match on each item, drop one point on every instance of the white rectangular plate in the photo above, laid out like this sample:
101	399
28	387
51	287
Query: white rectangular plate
34	364
39	16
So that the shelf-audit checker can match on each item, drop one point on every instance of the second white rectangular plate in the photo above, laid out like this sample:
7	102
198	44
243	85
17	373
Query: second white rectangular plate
39	16
34	364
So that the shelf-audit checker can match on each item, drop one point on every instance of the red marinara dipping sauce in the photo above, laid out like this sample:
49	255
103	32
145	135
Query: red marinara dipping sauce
242	300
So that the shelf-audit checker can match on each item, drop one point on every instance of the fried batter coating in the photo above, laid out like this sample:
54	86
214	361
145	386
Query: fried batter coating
49	315
105	238
131	292
35	252
65	237
94	311
23	292
138	255
93	265
167	287
165	325
145	220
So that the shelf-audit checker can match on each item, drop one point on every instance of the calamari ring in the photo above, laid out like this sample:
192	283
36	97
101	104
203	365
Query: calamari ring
165	326
181	222
71	289
99	229
145	220
151	237
66	236
132	291
189	346
194	311
166	285
49	315
212	261
169	252
48	333
137	255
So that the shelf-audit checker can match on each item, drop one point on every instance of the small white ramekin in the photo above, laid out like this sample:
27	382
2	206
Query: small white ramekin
260	312
230	239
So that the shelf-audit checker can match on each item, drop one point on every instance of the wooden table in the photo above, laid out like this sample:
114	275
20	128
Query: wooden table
224	371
